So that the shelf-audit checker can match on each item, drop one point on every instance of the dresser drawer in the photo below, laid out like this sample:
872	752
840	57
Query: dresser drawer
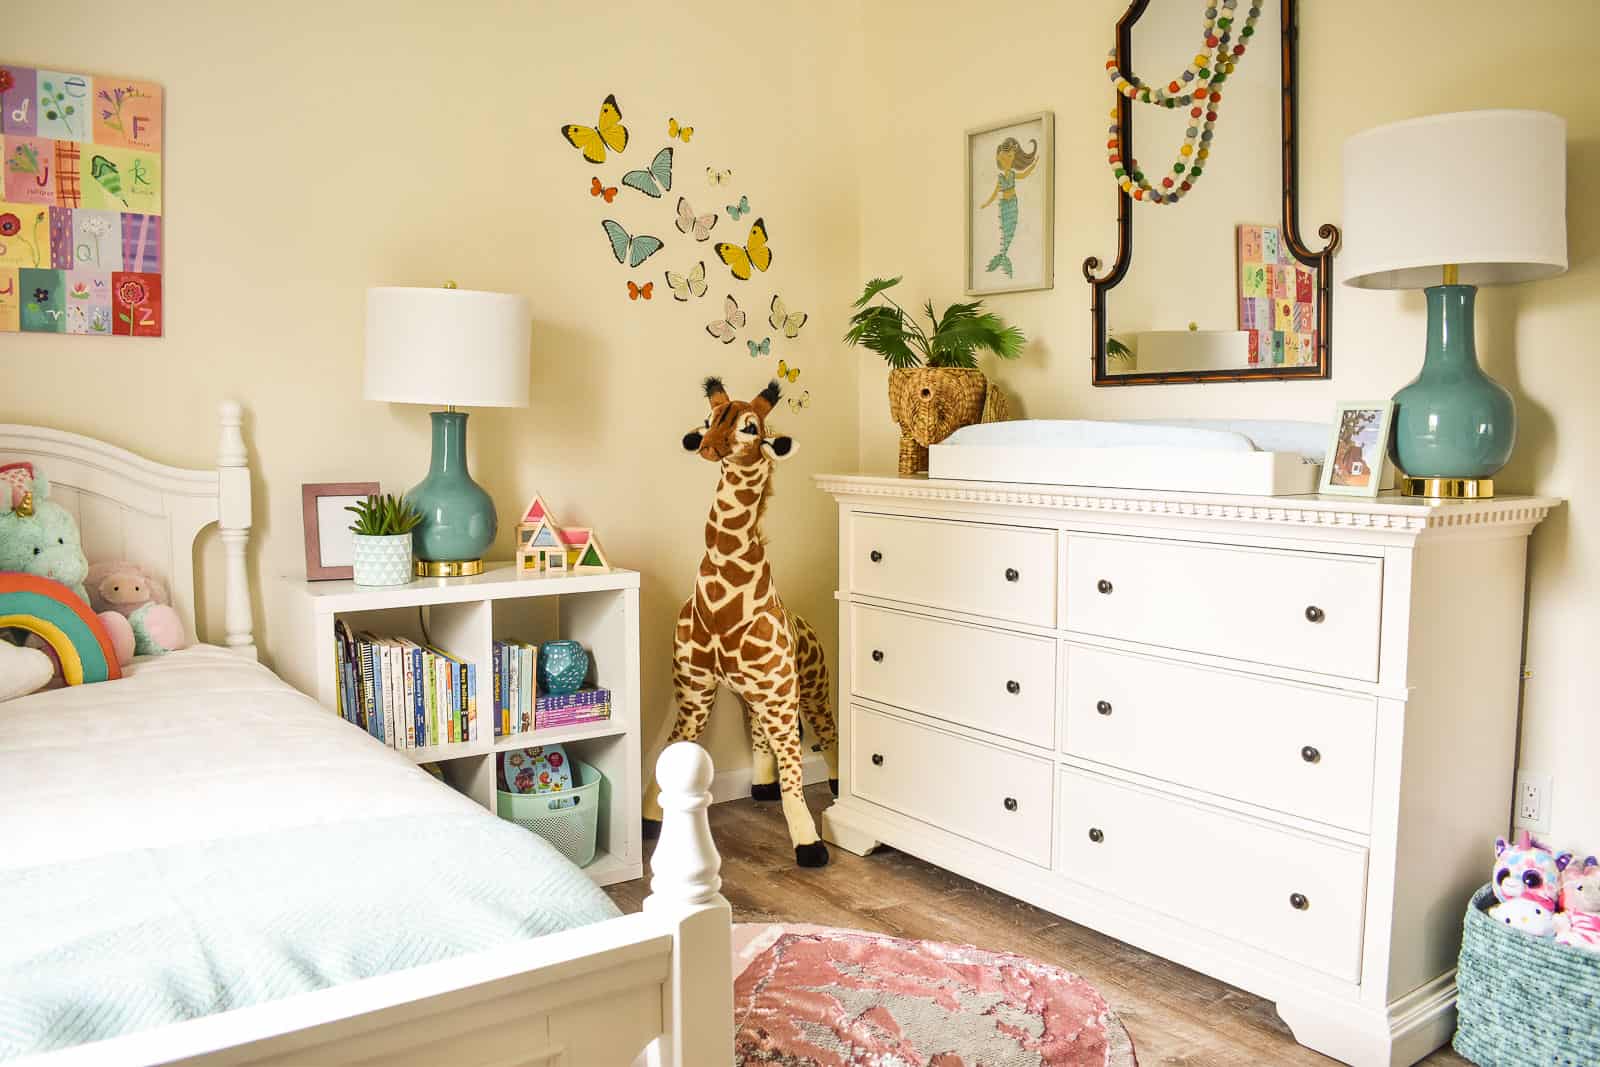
1283	892
1293	748
1001	683
994	796
1293	609
1001	572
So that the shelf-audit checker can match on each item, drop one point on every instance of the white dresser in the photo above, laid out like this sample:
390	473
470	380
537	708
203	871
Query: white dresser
1269	738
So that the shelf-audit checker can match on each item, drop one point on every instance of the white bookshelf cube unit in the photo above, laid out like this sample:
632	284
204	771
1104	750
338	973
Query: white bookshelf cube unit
464	617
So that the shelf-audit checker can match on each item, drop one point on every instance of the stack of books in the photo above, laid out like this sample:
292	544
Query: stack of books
519	706
405	694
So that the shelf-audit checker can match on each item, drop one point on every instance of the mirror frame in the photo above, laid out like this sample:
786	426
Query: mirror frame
1320	262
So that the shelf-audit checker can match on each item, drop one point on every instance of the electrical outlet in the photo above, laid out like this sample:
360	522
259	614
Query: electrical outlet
1533	801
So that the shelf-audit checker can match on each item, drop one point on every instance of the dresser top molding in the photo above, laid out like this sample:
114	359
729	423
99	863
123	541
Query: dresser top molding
1388	512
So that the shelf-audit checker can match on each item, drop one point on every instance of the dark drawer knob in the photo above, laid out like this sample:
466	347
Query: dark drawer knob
1298	901
877	759
1013	687
1310	754
1314	614
875	556
1095	835
1104	586
1103	707
877	655
1011	803
1012	574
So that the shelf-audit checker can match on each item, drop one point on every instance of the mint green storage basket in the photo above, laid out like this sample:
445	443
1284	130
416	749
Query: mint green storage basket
569	820
1523	1001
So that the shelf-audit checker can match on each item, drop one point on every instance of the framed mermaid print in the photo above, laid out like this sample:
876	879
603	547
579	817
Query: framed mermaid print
1011	192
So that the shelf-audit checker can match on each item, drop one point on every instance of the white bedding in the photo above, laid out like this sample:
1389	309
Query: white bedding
215	733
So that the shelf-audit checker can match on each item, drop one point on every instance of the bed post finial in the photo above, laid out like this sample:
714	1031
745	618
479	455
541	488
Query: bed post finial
233	518
686	868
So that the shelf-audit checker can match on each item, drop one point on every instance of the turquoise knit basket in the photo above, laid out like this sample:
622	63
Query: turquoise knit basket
1523	1001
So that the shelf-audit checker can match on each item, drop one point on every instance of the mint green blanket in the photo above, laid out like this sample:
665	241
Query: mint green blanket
101	947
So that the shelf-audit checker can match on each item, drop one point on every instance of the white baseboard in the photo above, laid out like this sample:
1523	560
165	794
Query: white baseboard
735	784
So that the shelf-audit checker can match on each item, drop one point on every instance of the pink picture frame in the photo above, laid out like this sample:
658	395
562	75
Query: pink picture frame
328	544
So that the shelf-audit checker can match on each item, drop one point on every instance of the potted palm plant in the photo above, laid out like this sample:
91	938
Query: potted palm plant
935	386
382	535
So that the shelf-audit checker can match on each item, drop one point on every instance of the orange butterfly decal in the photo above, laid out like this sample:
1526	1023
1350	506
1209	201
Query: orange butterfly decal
607	191
637	291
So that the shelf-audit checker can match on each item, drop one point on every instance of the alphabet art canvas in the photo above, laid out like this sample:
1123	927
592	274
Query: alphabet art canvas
80	207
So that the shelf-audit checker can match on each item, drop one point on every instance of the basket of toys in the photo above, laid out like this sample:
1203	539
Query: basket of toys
557	798
1528	979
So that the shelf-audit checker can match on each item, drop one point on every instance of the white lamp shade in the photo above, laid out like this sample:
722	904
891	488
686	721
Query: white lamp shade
1483	189
447	346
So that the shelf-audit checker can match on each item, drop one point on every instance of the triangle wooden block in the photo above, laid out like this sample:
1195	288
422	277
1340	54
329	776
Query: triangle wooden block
592	560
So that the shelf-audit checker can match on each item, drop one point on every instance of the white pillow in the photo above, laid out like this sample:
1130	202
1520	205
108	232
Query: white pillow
22	670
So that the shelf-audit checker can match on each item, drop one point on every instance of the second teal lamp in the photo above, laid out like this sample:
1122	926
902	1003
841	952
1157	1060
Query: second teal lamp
1444	204
453	348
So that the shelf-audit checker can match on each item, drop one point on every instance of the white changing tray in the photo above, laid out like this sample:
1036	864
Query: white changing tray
1251	457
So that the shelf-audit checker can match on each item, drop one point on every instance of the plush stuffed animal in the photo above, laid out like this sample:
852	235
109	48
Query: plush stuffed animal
134	592
1578	922
40	537
23	671
1527	871
1523	913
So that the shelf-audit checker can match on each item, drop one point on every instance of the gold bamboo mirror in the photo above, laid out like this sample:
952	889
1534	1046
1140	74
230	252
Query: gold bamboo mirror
1224	288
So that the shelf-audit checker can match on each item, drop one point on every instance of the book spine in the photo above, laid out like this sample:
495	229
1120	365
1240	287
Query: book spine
582	698
498	723
441	685
472	701
392	719
574	716
402	711
458	675
530	683
419	719
364	651
380	688
431	696
452	694
514	670
386	722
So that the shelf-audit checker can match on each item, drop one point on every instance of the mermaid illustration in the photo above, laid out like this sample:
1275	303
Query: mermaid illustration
1014	164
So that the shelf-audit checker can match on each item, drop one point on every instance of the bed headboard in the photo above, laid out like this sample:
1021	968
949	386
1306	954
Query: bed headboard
128	507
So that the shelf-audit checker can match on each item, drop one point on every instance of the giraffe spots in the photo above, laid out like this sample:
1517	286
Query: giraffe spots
746	496
739	576
715	590
737	522
726	543
764	584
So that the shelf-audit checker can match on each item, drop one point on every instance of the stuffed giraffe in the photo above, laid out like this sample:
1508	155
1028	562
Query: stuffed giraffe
735	631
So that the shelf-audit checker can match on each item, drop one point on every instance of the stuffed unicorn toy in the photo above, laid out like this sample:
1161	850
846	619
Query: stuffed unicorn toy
1525	882
1579	920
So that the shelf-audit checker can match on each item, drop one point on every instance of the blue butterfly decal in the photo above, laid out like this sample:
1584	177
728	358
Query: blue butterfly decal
630	250
762	349
741	208
658	177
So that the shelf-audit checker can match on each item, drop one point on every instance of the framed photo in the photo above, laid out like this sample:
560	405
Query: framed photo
1354	465
1011	200
330	547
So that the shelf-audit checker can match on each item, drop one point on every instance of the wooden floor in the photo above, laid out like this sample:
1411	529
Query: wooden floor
1175	1015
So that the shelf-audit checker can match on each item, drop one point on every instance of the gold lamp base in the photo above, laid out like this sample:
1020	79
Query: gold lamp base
1446	488
447	568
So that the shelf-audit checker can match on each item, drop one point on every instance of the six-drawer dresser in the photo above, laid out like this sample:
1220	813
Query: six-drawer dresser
1269	738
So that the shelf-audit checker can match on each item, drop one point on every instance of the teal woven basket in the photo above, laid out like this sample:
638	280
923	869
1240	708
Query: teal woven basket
1523	1001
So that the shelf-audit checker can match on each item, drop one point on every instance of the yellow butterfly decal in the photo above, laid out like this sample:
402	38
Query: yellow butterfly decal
718	177
753	253
683	133
788	373
684	286
782	320
801	402
607	132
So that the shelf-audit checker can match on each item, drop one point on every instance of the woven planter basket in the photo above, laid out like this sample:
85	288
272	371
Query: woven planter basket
1524	1000
931	403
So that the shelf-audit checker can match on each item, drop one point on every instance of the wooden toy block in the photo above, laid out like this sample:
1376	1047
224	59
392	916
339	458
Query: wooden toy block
536	512
592	560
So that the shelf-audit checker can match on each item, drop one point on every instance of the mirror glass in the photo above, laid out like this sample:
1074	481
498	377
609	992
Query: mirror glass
1213	288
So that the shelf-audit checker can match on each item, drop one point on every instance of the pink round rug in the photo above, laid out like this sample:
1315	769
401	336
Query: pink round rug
807	995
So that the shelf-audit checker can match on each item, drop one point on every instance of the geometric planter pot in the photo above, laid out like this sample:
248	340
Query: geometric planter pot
382	560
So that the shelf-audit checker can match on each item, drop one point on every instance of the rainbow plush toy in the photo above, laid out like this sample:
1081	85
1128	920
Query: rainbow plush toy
62	620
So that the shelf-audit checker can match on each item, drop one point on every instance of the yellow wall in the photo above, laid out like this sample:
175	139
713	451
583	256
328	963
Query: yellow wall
1363	63
314	149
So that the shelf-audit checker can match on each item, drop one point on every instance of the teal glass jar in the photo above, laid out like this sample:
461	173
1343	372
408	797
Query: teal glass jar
563	666
1453	420
458	519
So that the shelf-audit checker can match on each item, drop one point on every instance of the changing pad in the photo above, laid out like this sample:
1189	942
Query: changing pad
1245	456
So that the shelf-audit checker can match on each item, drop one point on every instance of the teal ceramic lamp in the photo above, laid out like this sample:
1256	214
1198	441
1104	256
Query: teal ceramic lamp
448	347
1447	203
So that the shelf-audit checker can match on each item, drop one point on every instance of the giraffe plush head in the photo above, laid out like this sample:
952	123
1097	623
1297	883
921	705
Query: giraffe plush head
735	432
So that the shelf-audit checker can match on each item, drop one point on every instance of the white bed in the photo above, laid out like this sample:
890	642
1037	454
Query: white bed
202	752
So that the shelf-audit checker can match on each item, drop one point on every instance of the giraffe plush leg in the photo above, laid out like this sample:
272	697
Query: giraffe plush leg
694	682
816	706
763	764
776	716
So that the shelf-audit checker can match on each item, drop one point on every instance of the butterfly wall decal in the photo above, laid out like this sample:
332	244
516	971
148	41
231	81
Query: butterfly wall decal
741	208
732	321
780	319
762	349
682	133
607	132
607	191
801	402
788	373
718	177
689	222
684	286
630	250
656	178
754	253
644	291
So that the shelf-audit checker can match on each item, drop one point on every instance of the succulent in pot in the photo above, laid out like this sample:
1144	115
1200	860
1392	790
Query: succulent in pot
382	536
935	386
